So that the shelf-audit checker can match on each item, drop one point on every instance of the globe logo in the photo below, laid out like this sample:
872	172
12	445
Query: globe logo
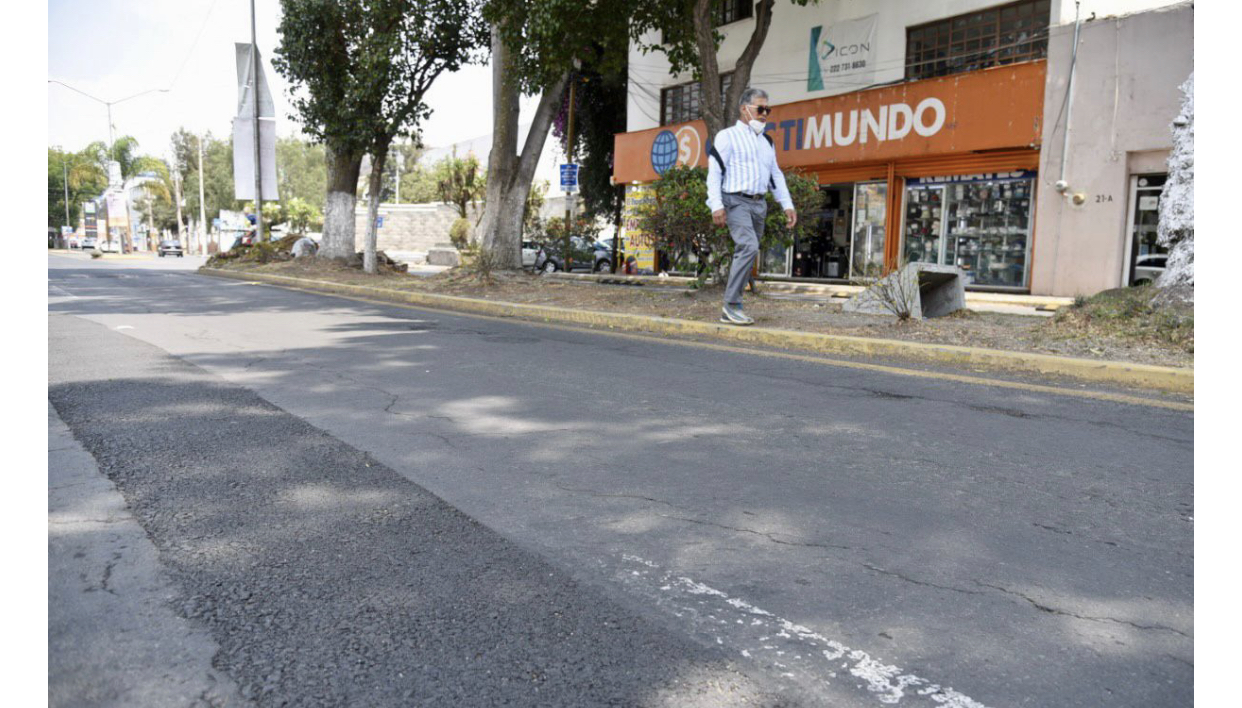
663	151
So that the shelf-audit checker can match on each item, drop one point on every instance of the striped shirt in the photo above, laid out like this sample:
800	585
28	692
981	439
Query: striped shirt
750	167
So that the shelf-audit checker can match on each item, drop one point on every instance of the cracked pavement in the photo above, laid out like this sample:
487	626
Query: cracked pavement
1019	547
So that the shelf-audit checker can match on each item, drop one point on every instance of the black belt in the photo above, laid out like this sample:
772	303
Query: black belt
744	194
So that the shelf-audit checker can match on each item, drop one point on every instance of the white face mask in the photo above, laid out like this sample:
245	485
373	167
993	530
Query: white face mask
757	124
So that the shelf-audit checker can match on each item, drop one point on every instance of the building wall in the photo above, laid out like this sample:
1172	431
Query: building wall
1125	98
781	67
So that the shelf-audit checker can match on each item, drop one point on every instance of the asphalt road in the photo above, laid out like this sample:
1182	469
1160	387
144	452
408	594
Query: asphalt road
798	532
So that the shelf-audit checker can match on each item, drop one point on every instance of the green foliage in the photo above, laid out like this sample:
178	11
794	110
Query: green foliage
682	225
86	180
548	35
599	114
217	177
301	215
460	182
459	233
301	172
358	69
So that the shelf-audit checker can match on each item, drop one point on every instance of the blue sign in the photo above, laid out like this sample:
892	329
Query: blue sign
215	224
569	177
379	222
663	151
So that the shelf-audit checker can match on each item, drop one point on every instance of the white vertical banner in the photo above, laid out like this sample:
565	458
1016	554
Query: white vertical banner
243	129
243	158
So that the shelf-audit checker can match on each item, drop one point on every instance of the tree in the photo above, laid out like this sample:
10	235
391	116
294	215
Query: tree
460	182
681	223
690	41
536	44
301	215
360	70
301	171
1176	227
217	168
86	180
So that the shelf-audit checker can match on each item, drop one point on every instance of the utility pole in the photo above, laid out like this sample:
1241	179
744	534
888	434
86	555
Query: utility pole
400	161
254	95
176	175
569	158
202	207
64	163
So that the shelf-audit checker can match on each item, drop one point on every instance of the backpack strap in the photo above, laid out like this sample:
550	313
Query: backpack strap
771	180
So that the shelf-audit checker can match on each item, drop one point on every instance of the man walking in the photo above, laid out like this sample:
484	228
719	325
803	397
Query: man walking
741	171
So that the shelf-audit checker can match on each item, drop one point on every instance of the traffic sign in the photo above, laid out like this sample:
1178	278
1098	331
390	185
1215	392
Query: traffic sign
569	177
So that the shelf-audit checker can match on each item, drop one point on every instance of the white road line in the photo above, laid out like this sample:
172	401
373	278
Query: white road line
790	649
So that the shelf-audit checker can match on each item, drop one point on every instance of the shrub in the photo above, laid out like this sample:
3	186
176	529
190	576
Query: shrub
459	233
681	223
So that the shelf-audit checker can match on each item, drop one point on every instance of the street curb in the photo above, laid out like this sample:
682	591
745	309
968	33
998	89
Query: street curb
1163	378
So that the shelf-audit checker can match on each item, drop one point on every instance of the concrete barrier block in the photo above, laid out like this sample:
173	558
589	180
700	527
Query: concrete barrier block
925	289
443	256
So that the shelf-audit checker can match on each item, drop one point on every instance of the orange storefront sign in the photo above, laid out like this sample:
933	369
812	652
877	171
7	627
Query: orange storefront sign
993	109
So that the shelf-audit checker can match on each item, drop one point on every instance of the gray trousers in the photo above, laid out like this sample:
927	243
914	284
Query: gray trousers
745	217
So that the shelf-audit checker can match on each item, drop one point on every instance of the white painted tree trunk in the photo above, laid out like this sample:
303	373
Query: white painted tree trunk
1176	228
338	211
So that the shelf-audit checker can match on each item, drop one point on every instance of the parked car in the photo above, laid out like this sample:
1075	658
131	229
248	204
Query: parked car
171	247
586	255
1149	267
530	252
89	242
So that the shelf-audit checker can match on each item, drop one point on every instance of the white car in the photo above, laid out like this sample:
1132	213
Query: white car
529	250
1149	267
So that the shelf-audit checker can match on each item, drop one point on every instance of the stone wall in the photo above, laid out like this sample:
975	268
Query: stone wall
411	227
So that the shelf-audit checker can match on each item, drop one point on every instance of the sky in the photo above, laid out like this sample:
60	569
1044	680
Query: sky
112	49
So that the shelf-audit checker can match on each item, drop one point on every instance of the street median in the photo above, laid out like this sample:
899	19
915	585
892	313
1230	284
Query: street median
1162	378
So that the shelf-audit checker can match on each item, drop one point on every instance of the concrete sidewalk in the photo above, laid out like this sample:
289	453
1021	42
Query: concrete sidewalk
113	639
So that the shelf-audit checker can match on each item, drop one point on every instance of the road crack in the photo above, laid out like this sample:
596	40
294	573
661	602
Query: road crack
1055	611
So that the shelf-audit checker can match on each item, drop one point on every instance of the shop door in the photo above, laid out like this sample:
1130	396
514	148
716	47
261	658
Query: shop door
867	251
1147	258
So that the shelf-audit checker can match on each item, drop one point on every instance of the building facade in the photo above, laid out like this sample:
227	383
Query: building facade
925	123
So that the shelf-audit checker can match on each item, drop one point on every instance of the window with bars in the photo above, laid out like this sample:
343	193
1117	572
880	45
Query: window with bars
1001	35
683	102
733	10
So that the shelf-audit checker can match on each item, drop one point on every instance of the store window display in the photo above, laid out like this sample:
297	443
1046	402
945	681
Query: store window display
980	224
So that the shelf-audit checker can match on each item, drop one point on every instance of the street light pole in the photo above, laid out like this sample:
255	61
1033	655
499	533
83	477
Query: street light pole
254	95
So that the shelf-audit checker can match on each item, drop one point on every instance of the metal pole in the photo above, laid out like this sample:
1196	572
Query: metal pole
65	164
1069	95
254	94
569	157
202	208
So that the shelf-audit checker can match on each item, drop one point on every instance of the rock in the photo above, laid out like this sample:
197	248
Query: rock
442	256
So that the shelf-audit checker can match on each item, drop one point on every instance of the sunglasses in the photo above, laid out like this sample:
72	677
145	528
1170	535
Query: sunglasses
761	110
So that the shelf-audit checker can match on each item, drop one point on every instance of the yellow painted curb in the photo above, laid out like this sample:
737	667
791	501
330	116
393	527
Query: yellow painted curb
1163	378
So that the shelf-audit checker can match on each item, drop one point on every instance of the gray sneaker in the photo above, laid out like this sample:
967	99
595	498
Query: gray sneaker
735	316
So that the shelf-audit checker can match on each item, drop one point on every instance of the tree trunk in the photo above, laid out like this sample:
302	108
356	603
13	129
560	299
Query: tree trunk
338	211
378	158
718	111
509	174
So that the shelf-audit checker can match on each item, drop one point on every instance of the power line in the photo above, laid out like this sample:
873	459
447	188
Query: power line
193	45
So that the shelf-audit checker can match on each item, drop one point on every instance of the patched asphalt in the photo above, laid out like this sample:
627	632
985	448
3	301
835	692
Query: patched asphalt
328	579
